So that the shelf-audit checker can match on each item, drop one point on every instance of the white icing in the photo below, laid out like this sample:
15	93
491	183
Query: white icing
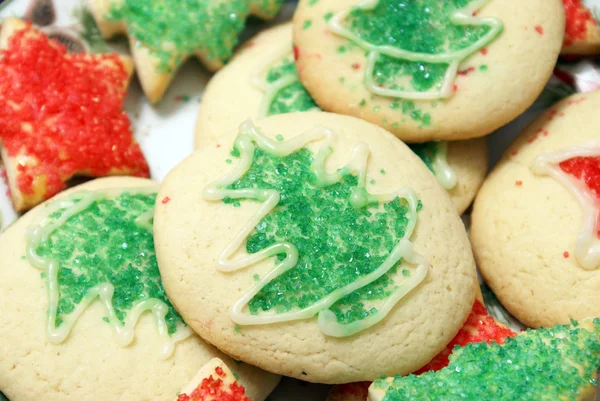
271	89
445	175
245	143
587	247
453	58
123	333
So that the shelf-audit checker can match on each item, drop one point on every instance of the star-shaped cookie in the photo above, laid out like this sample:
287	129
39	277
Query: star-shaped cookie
163	34
61	115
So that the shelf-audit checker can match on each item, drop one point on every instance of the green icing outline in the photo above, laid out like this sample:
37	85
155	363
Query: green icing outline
454	58
247	140
124	333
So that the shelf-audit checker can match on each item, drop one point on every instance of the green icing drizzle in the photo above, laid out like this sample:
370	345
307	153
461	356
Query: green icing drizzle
545	364
92	246
414	47
173	29
286	94
337	247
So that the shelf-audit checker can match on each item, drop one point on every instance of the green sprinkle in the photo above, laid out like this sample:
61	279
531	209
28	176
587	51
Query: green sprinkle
483	67
312	2
362	103
307	24
382	171
342	79
406	273
237	329
279	137
256	277
228	161
328	16
342	49
373	182
291	98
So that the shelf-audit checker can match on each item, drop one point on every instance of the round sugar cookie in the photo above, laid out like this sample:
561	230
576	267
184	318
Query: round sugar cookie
262	81
94	244
534	226
283	250
428	69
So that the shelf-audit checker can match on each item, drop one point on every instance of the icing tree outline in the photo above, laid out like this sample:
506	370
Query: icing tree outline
248	139
272	89
454	59
124	333
587	246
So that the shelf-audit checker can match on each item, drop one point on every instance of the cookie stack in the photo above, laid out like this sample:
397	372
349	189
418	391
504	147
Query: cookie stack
315	232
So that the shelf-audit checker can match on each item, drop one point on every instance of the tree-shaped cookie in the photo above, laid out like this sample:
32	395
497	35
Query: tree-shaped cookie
578	169
479	327
557	363
415	47
99	247
61	115
339	252
278	79
214	382
164	33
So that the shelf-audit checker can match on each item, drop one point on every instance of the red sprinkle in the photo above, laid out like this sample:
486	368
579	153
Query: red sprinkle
466	71
566	254
166	200
587	170
484	51
455	88
214	389
61	114
519	183
356	66
514	153
579	17
296	53
539	29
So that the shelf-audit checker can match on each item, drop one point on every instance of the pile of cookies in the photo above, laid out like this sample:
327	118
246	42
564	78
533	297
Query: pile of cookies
315	232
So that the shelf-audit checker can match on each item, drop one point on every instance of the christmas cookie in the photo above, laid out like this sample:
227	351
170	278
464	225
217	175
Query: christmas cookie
163	34
428	69
535	227
214	382
479	327
557	363
84	310
582	34
311	242
60	115
262	80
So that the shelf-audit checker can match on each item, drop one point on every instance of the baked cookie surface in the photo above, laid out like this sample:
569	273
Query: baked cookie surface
85	314
428	70
164	33
534	223
61	115
262	80
302	313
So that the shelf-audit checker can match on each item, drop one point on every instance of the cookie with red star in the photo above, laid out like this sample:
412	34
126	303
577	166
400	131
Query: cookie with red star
582	33
479	327
61	115
535	223
163	34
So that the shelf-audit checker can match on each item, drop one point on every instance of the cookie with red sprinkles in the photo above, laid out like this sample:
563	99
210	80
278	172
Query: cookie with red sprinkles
214	382
479	327
61	115
582	33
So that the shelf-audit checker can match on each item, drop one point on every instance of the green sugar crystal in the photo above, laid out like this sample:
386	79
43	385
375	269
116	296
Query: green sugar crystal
174	28
544	364
104	244
337	243
416	26
292	98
